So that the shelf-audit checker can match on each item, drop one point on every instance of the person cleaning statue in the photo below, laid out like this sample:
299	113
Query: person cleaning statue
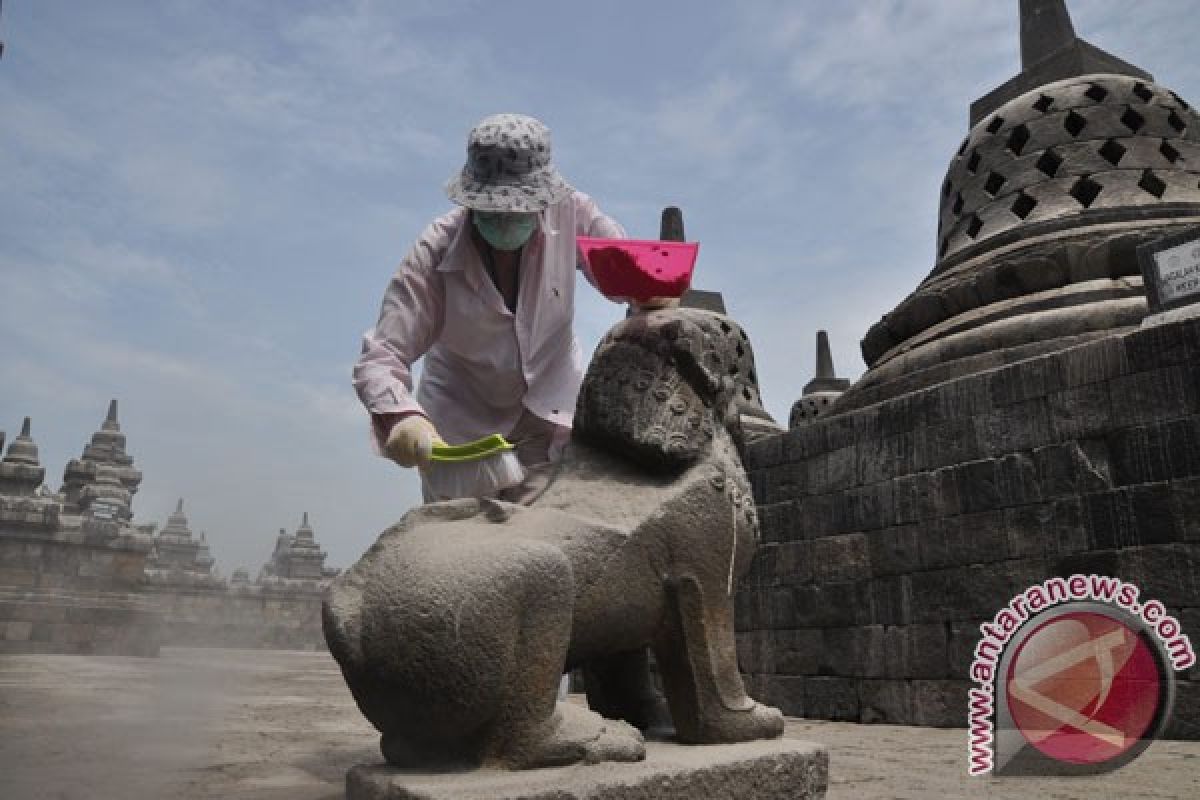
486	295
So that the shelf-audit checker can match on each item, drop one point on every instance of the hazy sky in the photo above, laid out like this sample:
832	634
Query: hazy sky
202	202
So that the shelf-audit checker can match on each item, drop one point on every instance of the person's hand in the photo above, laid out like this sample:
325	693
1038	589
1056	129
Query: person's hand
411	441
655	303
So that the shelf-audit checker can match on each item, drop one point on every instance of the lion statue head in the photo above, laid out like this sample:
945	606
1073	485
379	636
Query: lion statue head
662	384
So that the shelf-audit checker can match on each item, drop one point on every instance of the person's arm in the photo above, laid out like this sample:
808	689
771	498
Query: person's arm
409	322
590	221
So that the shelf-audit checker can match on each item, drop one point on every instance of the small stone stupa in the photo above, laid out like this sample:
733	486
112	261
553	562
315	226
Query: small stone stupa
297	557
103	481
23	502
821	392
756	420
21	473
305	559
204	560
175	548
178	558
671	230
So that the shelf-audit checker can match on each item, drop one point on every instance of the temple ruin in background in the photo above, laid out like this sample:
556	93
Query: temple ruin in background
77	575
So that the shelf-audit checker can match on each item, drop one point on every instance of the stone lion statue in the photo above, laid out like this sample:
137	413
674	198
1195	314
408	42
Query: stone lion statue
453	629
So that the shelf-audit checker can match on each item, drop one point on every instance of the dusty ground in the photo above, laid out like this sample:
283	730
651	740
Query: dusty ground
251	725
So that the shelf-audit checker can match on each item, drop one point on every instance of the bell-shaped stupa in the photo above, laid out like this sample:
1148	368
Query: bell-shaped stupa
297	556
104	460
174	547
1067	169
821	392
21	473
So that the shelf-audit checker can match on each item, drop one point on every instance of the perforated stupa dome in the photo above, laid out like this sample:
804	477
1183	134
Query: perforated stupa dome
1067	169
1088	148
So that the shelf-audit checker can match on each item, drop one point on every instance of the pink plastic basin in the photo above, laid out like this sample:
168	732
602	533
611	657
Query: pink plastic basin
640	269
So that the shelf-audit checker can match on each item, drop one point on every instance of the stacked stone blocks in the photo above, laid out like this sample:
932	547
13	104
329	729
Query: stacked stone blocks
250	616
891	532
75	591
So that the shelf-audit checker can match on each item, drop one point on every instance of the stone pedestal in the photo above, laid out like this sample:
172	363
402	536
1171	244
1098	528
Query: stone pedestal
762	770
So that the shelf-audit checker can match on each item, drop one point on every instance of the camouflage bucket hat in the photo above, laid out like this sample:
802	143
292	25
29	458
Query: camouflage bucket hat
508	167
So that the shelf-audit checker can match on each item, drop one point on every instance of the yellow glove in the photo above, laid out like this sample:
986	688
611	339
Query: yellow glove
411	441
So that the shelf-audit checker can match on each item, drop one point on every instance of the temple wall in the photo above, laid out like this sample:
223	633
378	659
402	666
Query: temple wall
84	590
74	591
890	533
71	559
244	617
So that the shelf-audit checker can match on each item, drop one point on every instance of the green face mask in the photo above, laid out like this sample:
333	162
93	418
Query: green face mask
505	230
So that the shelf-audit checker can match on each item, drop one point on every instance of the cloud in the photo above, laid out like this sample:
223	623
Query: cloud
713	124
117	262
182	193
254	93
201	209
856	55
330	403
355	40
308	114
42	131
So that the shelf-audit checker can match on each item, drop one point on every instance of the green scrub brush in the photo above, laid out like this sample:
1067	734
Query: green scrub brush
471	451
474	469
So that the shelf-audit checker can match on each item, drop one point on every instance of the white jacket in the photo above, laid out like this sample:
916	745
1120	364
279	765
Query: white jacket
483	364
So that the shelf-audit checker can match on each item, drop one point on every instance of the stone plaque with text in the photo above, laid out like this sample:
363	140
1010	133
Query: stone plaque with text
1171	270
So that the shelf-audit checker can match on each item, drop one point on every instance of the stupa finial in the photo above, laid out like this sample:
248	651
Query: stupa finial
110	420
1051	51
824	357
671	227
826	379
22	450
1045	29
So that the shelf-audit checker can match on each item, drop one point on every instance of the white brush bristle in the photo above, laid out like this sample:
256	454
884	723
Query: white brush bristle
474	478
